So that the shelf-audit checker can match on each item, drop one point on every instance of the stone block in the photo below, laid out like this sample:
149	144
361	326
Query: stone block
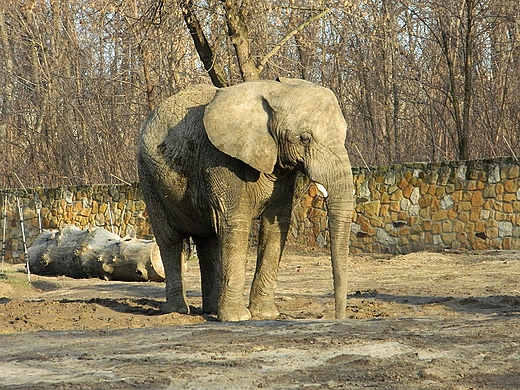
494	174
306	201
507	208
402	215
423	188
478	243
440	215
426	225
456	196
440	191
407	191
491	232
425	200
437	227
471	185
515	243
425	213
397	195
474	214
462	237
514	172
511	185
395	206
371	209
501	216
462	206
489	191
448	238
415	196
505	228
402	183
458	226
384	210
477	199
508	197
446	202
452	214
447	226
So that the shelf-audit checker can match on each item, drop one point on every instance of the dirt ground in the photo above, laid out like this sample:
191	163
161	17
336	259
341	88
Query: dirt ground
417	321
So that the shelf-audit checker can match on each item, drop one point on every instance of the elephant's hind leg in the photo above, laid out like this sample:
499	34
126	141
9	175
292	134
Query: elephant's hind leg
208	253
174	257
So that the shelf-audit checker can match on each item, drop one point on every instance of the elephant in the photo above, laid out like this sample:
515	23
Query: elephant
211	160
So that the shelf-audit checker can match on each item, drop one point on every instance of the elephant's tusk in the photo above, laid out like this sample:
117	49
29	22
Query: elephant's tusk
322	189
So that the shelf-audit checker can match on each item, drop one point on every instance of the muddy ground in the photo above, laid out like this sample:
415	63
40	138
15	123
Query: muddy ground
418	321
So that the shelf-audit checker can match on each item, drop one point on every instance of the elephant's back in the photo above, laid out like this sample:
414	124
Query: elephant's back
176	116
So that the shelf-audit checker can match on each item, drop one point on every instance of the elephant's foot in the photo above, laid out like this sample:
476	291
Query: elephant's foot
210	306
237	313
263	310
175	307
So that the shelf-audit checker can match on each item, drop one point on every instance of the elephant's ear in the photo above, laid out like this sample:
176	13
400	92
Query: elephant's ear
237	123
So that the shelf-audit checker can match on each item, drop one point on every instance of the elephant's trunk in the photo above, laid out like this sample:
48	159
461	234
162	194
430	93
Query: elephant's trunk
340	203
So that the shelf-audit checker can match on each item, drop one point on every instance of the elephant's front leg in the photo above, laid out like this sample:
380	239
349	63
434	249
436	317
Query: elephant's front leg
234	246
271	241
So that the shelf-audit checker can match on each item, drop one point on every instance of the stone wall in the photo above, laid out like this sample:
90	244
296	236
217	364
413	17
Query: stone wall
118	208
472	205
399	209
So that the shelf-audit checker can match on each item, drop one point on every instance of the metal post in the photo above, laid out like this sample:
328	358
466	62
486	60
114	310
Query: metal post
20	213
111	221
38	205
122	219
4	229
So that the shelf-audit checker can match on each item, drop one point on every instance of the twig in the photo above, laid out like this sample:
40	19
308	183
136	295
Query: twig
118	178
510	148
279	45
25	189
360	155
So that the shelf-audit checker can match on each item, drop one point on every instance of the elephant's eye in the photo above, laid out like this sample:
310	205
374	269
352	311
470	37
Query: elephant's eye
305	138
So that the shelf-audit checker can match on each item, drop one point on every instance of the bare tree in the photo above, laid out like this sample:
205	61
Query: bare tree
416	79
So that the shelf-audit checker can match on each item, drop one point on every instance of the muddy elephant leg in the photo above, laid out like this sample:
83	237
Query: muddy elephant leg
209	261
271	241
234	244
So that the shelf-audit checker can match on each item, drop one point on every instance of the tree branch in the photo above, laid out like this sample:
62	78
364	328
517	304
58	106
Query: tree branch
206	54
291	34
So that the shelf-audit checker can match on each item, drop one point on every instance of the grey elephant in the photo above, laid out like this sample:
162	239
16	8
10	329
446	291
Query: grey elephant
211	160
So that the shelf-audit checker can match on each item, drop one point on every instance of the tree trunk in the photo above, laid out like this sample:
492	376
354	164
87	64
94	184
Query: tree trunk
95	253
206	54
237	31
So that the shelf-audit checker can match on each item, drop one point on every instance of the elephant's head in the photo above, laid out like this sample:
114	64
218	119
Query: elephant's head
296	125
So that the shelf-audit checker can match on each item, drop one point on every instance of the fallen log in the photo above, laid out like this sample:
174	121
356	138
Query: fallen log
93	253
